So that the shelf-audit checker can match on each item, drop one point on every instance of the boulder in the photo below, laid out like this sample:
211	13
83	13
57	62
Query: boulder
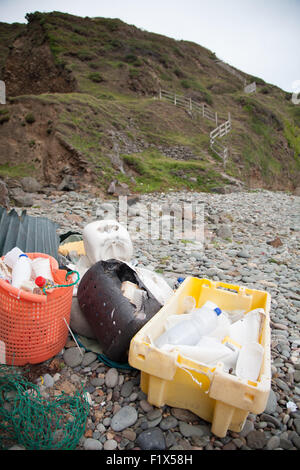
30	185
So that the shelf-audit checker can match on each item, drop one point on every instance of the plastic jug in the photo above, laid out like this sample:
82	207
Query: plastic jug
12	256
21	271
189	332
107	239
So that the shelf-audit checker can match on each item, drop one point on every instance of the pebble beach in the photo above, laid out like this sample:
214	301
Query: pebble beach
249	238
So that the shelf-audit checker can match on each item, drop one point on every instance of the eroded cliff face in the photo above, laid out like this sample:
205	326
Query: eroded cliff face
30	67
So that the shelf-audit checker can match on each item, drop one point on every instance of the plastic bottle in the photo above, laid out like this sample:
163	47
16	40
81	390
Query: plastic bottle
21	271
43	283
188	332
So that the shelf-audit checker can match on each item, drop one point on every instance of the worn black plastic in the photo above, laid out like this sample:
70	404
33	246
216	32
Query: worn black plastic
109	313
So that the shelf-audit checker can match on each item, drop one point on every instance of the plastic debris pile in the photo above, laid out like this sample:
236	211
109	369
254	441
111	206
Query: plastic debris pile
209	336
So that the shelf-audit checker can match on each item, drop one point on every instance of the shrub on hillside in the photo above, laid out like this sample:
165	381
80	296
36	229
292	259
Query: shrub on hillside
95	77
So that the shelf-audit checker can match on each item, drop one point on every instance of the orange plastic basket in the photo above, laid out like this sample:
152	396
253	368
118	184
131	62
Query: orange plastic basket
32	326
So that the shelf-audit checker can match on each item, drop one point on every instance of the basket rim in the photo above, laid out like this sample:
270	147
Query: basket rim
20	294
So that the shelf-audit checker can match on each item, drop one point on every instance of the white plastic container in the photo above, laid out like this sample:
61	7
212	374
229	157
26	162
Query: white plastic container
11	256
41	267
21	271
188	332
107	239
249	361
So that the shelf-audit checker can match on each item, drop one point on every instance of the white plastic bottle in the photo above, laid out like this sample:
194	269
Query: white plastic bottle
188	332
21	271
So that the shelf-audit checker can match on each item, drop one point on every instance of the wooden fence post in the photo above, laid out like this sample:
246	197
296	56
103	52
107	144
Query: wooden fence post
190	104
175	99
160	93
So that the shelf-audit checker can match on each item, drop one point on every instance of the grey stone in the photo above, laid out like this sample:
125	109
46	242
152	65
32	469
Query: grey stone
285	444
68	183
48	381
152	439
243	254
4	199
281	384
21	198
188	430
124	418
97	381
145	406
88	358
184	415
297	425
296	441
154	414
271	403
110	444
168	423
73	357
270	419
111	378
256	440
224	231
92	444
248	427
30	185
273	443
127	388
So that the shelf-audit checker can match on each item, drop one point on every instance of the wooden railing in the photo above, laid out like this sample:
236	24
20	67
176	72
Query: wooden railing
204	110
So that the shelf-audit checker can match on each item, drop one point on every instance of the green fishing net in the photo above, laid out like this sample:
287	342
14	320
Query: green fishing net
30	420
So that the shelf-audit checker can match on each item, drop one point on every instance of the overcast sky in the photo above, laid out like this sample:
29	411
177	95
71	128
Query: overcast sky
259	37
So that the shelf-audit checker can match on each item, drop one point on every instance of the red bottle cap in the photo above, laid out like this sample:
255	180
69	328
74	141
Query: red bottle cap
40	281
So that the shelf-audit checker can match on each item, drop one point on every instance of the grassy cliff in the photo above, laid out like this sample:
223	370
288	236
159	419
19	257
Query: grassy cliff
91	85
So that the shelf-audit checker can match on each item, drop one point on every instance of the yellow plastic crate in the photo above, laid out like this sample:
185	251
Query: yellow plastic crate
214	395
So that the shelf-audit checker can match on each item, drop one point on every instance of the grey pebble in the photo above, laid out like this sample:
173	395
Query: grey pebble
48	381
127	388
168	423
92	444
73	357
110	444
256	440
88	358
273	443
111	378
152	439
188	430
124	418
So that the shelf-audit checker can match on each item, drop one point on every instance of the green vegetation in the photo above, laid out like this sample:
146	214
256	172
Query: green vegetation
155	172
292	135
16	171
95	77
4	115
29	118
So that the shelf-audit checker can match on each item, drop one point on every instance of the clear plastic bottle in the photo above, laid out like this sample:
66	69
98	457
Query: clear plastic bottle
189	331
21	271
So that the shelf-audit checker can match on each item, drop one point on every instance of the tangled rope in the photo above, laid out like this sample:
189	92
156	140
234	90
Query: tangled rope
28	419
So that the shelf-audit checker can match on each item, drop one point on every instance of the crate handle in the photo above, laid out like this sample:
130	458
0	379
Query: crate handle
189	371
